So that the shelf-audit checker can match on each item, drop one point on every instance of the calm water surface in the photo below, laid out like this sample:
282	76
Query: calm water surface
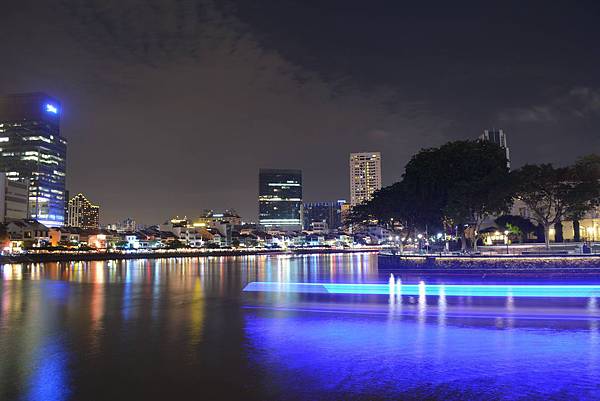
183	329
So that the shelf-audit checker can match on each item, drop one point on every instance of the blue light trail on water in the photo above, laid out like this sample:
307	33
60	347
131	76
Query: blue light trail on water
471	290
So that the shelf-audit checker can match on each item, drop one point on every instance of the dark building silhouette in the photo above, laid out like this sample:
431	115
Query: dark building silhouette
327	212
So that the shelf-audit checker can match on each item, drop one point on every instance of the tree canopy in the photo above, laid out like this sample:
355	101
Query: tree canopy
555	193
457	184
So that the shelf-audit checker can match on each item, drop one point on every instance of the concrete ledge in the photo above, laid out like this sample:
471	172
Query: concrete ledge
488	262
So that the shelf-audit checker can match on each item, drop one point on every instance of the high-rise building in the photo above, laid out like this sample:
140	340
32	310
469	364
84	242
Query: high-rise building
82	213
365	176
31	148
328	212
14	199
498	137
280	199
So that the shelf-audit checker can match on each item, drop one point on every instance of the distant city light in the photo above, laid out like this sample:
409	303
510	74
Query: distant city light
50	108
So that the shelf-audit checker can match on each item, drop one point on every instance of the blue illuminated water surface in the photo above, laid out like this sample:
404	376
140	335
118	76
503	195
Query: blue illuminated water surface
184	329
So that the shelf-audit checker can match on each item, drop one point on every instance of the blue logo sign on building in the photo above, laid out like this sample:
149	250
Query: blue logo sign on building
50	108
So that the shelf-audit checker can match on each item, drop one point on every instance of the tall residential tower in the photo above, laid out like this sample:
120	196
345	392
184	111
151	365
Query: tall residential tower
365	176
31	148
280	199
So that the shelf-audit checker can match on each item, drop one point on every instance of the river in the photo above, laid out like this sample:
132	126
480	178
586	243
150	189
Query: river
183	328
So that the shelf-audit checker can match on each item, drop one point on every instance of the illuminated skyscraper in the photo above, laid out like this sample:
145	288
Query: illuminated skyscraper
31	148
498	137
280	199
82	213
365	176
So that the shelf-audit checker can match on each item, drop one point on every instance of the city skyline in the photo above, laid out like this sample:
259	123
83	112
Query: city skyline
238	91
299	200
19	111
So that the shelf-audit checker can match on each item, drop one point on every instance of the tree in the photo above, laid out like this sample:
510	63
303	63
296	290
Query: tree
543	189
460	184
456	185
586	171
523	225
395	203
555	193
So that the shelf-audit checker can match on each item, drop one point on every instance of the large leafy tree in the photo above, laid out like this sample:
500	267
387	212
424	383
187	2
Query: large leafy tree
511	222
390	205
461	183
553	194
586	196
456	185
543	189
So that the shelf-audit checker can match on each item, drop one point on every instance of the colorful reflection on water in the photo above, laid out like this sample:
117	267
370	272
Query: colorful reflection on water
157	329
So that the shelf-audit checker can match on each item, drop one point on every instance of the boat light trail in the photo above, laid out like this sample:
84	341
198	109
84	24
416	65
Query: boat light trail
461	290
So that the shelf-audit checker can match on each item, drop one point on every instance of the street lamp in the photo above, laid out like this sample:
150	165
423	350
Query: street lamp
506	232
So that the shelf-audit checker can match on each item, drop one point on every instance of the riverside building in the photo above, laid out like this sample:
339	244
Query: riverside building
32	149
14	199
280	199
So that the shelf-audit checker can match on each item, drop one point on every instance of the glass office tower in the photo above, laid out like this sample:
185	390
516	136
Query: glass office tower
280	199
31	148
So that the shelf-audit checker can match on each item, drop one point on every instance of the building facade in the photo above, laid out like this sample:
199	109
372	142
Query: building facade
498	137
82	213
27	233
210	218
32	149
365	176
319	212
280	199
14	199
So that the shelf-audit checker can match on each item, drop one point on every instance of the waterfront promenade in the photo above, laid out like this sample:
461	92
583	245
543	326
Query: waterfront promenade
467	264
518	265
74	256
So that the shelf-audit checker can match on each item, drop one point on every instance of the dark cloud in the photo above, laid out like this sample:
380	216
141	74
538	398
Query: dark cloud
578	103
172	106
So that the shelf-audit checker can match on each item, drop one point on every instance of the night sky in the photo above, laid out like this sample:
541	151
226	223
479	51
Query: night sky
171	107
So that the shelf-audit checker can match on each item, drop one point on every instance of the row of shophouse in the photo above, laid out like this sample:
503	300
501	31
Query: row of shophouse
31	234
25	234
